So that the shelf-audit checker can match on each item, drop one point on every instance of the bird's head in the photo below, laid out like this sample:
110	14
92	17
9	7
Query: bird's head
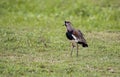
66	23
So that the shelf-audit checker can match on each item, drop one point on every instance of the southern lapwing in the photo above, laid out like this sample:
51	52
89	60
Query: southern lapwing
75	36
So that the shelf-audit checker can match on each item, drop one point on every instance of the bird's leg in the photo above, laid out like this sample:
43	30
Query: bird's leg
72	48
77	49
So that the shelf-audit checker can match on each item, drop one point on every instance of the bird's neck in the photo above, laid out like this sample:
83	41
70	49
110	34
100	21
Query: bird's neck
69	28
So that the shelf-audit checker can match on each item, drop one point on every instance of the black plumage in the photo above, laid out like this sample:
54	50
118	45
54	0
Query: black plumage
69	35
75	35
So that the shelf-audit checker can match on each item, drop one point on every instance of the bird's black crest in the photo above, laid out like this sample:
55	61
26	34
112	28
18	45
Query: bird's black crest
67	21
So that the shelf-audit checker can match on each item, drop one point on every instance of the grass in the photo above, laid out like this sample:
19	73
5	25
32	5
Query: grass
33	41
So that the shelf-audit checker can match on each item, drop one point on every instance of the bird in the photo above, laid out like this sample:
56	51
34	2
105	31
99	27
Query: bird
75	36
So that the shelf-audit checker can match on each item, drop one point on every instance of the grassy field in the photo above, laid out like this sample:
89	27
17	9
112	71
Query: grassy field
33	41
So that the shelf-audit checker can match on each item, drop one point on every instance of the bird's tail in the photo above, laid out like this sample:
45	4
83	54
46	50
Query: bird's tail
83	44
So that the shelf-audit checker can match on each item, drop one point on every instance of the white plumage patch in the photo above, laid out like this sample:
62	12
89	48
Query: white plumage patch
76	40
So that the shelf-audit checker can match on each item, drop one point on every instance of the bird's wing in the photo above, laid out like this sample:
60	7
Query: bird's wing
78	36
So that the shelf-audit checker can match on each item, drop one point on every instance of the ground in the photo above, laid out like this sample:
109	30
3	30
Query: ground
33	41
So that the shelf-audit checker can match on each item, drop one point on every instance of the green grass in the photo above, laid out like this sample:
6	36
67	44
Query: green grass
33	41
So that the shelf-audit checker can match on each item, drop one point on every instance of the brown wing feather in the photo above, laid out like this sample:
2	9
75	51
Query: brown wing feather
78	34
75	33
81	36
